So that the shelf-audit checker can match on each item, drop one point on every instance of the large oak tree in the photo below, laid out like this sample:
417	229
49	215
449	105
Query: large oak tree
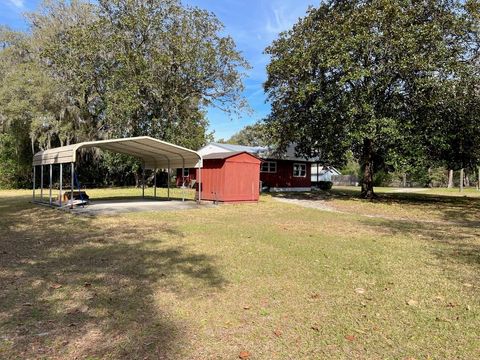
371	76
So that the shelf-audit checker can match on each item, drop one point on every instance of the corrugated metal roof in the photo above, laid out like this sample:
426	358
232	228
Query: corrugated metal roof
154	153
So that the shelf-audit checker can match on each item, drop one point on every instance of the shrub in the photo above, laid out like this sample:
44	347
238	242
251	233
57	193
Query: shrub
325	185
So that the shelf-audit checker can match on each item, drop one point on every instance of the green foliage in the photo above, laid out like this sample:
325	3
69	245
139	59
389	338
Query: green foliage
115	68
325	185
351	167
382	178
13	171
251	135
395	82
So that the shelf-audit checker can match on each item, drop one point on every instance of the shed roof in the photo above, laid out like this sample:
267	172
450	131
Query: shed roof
226	155
242	148
154	153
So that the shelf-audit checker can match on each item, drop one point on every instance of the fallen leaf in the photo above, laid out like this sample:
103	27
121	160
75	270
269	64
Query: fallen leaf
72	324
87	284
246	307
27	304
244	355
360	290
314	327
315	296
55	286
350	337
412	302
443	319
277	333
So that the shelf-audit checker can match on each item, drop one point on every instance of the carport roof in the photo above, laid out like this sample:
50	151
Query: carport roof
154	153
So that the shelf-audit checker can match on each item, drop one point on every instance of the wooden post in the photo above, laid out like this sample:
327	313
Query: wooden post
450	179
461	179
478	180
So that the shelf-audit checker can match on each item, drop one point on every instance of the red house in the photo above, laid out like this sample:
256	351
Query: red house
286	173
226	177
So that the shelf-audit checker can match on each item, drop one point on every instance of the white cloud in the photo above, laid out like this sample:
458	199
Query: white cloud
17	3
282	15
278	22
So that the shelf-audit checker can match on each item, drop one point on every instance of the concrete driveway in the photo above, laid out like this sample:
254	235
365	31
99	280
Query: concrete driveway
111	207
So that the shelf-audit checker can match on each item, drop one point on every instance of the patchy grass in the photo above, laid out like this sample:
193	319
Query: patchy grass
429	205
276	280
126	192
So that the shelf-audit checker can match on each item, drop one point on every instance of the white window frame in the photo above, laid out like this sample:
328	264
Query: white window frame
300	166
271	167
186	172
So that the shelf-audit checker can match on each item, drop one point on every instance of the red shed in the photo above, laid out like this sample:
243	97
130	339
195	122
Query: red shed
231	177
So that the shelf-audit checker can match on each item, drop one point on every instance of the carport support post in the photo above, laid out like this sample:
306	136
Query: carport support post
143	181
34	175
168	180
50	187
72	170
155	183
200	184
183	179
61	183
41	182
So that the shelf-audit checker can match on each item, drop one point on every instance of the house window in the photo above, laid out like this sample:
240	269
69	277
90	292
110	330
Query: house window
299	170
269	167
186	172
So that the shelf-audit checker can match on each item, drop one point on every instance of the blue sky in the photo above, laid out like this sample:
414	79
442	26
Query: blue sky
253	24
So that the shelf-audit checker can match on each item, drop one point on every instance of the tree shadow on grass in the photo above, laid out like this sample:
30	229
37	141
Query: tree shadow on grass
73	287
454	245
464	211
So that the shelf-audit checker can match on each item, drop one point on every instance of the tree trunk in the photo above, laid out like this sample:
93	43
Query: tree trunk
367	170
137	180
404	180
450	179
461	179
467	180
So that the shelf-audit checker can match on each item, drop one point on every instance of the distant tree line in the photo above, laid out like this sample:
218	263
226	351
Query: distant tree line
115	68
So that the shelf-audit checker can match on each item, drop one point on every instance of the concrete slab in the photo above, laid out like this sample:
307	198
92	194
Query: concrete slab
112	207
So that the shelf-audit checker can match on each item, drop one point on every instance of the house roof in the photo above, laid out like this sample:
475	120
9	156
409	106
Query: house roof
242	148
154	153
260	151
226	155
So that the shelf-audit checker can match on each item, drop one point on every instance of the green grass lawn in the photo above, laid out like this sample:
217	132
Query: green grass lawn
276	280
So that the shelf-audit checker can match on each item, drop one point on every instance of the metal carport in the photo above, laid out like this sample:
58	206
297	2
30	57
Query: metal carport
154	154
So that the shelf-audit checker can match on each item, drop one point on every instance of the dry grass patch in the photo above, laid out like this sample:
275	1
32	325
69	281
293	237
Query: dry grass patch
273	279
